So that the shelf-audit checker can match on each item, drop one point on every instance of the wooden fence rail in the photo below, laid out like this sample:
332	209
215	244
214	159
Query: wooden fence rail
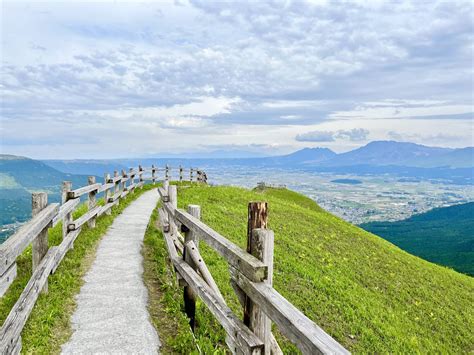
251	277
46	260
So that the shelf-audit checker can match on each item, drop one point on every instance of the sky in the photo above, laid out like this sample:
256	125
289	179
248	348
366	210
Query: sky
116	79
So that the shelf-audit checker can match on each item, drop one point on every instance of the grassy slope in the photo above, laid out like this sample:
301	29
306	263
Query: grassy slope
442	235
49	323
367	293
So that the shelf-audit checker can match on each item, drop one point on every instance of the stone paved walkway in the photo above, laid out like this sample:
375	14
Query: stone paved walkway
111	315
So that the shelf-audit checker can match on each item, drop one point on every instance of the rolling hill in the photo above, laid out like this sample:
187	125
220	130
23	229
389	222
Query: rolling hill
369	294
443	235
19	177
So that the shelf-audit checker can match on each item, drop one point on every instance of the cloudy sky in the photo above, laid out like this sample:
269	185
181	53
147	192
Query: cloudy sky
121	79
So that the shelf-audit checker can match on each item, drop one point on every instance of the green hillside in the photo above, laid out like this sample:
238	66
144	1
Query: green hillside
443	235
367	293
19	176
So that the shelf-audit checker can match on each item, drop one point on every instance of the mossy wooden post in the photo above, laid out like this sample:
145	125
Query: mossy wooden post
106	193
189	295
153	176
66	187
92	201
258	244
39	200
180	173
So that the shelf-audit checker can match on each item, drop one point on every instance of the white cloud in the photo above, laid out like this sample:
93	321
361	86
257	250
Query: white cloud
231	73
354	135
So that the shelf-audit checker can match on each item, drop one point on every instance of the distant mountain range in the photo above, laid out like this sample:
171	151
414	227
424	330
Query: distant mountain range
386	153
443	235
380	157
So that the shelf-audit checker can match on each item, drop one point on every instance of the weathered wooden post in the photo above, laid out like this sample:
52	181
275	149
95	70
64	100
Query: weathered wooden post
106	193
191	174
189	295
117	185
259	244
180	173
131	175
173	199
167	172
92	201
140	176
66	187
153	177
124	183
39	200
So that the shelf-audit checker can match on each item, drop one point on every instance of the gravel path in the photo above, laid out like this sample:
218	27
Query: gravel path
111	315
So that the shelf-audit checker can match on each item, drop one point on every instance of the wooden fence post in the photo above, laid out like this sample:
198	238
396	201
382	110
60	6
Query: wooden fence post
262	248
140	176
167	172
39	200
189	295
153	177
257	219
131	176
173	198
117	185
180	173
106	193
124	183
191	174
66	187
92	201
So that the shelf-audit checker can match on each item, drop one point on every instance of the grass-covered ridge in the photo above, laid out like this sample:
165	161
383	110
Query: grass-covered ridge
49	323
367	293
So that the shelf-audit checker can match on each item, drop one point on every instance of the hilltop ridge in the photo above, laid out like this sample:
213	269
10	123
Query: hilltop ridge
364	291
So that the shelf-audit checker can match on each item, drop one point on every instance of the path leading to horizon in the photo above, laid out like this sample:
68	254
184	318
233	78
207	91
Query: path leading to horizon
111	314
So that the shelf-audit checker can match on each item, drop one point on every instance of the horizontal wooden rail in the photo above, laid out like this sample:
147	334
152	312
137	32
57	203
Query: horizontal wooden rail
292	323
83	190
65	245
13	325
106	207
106	186
15	244
84	218
66	208
249	265
115	179
247	341
131	187
253	268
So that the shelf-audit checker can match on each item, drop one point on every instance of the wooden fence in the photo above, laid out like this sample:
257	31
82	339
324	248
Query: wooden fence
251	278
44	216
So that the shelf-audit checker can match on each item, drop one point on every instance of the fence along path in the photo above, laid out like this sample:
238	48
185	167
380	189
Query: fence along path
46	259
251	273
